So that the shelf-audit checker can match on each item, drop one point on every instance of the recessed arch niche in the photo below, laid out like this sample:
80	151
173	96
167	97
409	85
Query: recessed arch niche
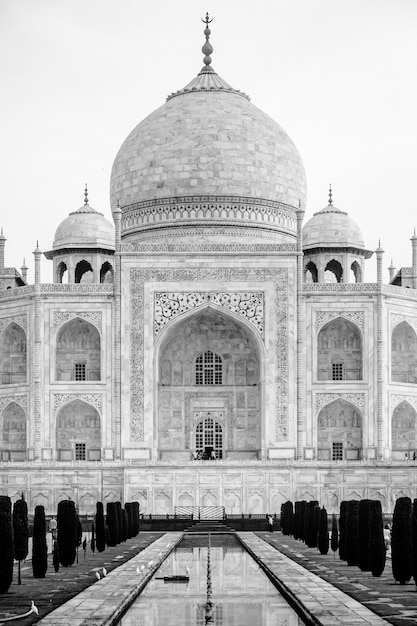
78	423
403	431
13	355
339	351
13	432
233	398
404	354
78	351
339	431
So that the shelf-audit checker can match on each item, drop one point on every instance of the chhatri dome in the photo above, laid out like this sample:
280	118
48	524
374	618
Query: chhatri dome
84	228
332	228
207	143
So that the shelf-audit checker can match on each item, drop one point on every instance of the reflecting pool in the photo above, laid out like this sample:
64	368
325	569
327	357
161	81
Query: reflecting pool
242	595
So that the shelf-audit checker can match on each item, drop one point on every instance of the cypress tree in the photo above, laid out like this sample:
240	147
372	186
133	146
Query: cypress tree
135	511
67	532
352	532
125	524
342	530
414	538
364	557
334	543
119	522
287	518
6	544
79	534
100	528
112	520
93	539
323	540
20	533
129	511
297	516
39	546
303	506
377	554
311	524
401	546
55	556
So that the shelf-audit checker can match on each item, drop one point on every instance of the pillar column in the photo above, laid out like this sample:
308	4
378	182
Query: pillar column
301	340
37	354
380	356
117	409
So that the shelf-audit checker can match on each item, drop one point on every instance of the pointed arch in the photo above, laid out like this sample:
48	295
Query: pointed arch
404	354
13	359
83	272
78	432
13	433
339	431
62	273
339	351
106	273
403	430
204	358
333	272
78	352
311	274
357	272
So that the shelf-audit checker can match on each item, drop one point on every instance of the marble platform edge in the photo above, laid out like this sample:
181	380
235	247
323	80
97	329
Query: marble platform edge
315	613
105	602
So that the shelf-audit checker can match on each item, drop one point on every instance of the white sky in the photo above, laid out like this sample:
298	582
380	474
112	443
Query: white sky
76	76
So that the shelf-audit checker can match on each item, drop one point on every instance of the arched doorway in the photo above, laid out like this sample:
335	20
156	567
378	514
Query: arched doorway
13	445
209	438
404	354
339	351
78	432
209	367
403	431
78	351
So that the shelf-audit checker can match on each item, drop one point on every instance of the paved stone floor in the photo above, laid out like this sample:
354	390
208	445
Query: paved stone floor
330	590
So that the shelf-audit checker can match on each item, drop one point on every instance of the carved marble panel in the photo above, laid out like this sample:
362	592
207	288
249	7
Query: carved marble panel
357	317
277	277
170	305
96	399
94	317
21	320
358	399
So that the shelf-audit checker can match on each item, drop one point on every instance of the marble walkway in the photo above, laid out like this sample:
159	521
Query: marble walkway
104	602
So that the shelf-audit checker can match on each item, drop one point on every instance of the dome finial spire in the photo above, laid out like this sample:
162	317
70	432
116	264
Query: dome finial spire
207	48
85	194
330	195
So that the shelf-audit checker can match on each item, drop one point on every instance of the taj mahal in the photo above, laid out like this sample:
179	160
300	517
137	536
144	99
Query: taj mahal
210	347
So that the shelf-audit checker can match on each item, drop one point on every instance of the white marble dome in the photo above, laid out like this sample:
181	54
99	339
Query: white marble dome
208	142
85	228
332	228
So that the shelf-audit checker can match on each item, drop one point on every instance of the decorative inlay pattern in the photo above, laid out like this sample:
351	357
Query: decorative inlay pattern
396	399
338	287
21	320
94	317
17	291
96	399
20	400
397	318
277	277
163	212
139	246
219	416
357	317
169	305
358	399
77	288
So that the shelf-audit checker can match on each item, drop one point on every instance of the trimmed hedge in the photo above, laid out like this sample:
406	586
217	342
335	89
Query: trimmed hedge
112	519
334	543
342	530
364	557
377	553
100	528
323	539
352	532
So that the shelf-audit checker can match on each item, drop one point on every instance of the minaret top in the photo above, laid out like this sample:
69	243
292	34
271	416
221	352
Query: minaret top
330	195
207	48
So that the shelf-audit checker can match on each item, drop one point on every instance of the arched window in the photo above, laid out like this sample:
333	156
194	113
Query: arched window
78	433
62	272
403	431
311	273
84	272
209	439
339	351
333	272
208	369
404	354
339	432
13	435
106	273
13	355
356	271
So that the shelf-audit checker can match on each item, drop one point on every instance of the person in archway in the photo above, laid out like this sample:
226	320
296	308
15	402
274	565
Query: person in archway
270	523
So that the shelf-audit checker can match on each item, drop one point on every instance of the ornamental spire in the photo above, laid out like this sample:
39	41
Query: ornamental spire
330	195
207	48
85	194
